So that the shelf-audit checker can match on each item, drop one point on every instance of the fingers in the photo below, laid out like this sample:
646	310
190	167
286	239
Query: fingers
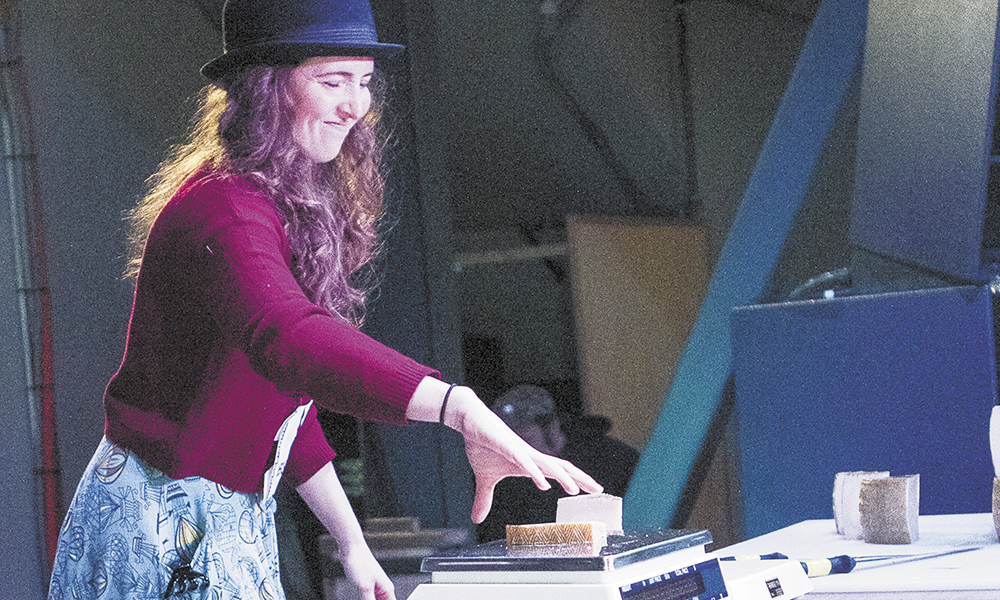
565	480
534	470
584	482
495	451
364	571
385	593
483	501
378	593
571	478
379	590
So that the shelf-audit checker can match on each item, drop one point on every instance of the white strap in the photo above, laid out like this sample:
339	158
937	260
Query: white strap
284	438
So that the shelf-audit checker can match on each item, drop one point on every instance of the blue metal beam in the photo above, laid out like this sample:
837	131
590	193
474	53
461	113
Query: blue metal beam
830	60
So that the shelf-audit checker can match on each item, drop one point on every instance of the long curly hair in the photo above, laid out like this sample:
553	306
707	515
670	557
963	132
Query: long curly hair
331	212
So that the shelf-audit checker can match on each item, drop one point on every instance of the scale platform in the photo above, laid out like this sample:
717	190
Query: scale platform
669	564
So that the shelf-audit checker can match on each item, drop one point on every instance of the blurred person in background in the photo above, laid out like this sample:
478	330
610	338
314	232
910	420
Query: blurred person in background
531	412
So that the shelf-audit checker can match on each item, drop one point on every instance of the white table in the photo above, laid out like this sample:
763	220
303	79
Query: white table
967	575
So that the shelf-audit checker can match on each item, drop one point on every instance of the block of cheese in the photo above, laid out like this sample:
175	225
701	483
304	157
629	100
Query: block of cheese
889	509
846	501
591	507
553	534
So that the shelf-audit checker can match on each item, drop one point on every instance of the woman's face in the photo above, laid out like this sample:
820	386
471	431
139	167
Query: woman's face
329	95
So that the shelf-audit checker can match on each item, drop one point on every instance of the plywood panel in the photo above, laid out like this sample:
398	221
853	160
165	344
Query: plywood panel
637	289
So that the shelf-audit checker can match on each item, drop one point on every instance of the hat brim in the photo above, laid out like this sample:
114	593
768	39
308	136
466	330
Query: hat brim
288	55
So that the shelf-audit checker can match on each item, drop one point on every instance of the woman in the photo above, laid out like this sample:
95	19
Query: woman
251	246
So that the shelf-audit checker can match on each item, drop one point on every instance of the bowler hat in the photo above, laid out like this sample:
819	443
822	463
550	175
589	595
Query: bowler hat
285	32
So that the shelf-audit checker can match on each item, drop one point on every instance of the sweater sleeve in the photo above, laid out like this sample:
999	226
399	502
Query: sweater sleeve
310	452
242	261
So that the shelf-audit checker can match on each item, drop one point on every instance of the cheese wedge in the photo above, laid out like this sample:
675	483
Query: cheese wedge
591	507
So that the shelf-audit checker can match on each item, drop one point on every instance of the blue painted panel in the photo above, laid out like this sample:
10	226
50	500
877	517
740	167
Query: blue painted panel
901	382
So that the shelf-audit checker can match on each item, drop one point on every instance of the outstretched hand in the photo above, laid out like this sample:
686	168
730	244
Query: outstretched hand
495	452
490	466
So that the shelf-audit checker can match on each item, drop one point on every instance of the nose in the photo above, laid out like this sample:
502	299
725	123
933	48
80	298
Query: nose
351	106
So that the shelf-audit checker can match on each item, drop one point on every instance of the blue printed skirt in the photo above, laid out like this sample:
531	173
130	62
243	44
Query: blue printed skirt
133	533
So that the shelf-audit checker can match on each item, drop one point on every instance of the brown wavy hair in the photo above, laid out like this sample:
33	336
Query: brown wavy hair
331	212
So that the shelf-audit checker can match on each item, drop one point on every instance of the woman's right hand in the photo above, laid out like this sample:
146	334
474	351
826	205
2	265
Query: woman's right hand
495	452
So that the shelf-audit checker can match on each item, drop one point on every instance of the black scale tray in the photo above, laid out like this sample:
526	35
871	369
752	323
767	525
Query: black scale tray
621	551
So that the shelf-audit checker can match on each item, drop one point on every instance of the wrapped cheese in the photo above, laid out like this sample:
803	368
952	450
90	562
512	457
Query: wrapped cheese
847	501
552	534
889	509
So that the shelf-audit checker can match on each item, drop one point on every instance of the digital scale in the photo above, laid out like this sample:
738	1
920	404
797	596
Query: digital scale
668	564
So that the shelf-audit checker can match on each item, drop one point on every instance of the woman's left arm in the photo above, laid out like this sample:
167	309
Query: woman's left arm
326	498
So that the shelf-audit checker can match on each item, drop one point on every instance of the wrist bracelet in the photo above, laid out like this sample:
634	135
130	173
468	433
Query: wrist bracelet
444	403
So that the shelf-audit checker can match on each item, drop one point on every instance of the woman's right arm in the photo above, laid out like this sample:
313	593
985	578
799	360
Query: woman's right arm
241	270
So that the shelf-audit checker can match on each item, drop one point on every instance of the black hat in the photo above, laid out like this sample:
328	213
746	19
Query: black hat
289	31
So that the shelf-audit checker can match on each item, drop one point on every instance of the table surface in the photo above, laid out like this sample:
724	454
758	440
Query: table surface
973	571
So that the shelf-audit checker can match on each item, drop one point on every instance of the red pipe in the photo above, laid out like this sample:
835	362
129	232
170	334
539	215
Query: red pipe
49	471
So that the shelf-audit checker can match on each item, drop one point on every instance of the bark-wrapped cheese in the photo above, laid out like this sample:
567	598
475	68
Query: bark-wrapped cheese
889	509
552	534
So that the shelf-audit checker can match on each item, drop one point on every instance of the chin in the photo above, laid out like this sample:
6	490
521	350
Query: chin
325	155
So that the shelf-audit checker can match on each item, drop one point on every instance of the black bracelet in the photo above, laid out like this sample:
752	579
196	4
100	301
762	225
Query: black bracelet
444	403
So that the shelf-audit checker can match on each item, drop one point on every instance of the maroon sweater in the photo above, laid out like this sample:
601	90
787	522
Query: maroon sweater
223	345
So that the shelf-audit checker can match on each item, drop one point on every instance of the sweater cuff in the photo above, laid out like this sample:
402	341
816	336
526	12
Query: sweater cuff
310	452
404	385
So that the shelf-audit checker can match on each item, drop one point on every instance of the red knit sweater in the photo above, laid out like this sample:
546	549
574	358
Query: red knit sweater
223	345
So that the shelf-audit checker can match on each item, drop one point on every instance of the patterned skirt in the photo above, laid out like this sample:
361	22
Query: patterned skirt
133	533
